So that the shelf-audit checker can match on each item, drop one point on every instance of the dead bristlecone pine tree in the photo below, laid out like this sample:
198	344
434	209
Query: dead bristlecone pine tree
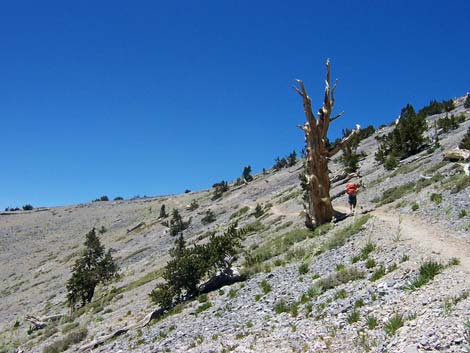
315	180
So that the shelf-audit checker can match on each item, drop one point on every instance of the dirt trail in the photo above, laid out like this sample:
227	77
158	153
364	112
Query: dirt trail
433	238
430	237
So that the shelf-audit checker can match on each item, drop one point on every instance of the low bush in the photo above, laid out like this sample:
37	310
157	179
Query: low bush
208	218
436	198
72	338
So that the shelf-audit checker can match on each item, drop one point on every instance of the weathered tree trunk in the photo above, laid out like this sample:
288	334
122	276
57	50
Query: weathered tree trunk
316	179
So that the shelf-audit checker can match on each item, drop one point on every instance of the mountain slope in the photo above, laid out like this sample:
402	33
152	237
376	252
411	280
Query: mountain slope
332	290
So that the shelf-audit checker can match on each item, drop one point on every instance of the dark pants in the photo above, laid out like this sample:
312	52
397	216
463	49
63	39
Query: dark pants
352	200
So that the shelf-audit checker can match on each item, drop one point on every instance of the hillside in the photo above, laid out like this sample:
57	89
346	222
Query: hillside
347	287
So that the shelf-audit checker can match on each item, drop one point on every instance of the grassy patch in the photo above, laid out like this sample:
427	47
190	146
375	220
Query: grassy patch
265	286
340	277
303	269
367	249
379	273
255	227
283	226
340	237
371	322
72	338
203	307
393	324
353	316
395	193
435	167
422	183
456	183
427	271
277	246
240	212
149	277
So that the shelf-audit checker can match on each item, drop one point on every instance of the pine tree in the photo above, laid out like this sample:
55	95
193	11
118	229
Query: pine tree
163	213
292	159
406	138
465	143
177	225
219	189
466	104
247	174
258	211
93	267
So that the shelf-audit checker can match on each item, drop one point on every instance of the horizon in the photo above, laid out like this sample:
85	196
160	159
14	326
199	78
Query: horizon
153	99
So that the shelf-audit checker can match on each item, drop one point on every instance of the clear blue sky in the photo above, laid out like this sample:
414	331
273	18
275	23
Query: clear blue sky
121	98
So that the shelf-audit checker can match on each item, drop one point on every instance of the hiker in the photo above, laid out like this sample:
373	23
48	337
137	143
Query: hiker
352	189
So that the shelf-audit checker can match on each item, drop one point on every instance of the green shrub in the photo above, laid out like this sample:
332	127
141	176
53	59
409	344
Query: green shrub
371	322
265	286
465	143
193	205
353	316
303	269
208	218
258	211
462	213
93	267
393	324
203	307
436	198
370	263
359	303
414	207
391	163
355	259
281	307
379	273
339	267
367	249
427	271
341	294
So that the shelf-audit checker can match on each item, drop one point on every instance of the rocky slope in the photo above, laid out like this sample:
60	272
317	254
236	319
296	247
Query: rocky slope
345	288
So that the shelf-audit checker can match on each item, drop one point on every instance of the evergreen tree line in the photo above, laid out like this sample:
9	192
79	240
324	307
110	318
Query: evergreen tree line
405	139
285	162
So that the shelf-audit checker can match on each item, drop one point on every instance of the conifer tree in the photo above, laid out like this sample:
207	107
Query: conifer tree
163	213
466	104
177	225
291	159
247	174
93	267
